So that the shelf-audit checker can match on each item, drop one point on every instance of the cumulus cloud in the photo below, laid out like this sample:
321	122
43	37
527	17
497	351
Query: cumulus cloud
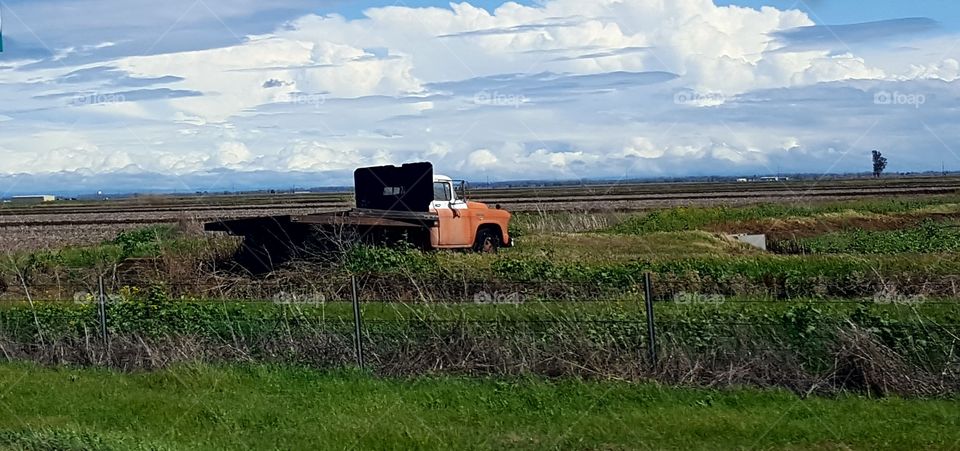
233	155
561	88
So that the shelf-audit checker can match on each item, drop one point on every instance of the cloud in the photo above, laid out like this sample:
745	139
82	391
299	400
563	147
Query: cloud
274	83
111	76
560	88
815	36
604	54
525	28
80	31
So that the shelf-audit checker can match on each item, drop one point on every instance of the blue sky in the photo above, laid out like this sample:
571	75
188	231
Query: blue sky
850	11
215	94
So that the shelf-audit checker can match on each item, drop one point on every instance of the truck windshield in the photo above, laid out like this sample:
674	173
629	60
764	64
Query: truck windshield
441	191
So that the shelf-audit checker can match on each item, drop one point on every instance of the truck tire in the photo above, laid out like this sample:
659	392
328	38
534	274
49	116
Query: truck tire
488	241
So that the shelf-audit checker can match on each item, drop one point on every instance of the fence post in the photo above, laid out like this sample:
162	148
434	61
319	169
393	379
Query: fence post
357	335
102	309
651	332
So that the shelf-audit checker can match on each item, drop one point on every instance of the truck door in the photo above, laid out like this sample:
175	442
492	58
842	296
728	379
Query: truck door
454	230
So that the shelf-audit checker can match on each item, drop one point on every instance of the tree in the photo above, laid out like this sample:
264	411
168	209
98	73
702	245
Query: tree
879	163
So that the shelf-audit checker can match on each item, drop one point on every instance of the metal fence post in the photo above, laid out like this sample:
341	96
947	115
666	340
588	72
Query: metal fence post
102	308
651	332
357	335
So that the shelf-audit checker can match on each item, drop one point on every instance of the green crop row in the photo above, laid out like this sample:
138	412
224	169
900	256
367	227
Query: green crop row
779	276
698	218
929	237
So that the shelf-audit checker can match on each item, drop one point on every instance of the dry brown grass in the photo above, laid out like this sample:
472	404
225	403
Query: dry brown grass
610	248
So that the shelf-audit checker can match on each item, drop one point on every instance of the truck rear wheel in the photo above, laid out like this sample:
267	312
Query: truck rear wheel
487	242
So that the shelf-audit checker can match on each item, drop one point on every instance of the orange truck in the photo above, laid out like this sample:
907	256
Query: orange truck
393	203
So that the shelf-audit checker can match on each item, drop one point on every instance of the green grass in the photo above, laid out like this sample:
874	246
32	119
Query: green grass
289	408
608	248
929	237
153	241
586	248
699	218
199	316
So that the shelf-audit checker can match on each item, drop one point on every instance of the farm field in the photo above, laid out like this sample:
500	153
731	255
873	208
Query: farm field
851	295
841	249
204	407
89	222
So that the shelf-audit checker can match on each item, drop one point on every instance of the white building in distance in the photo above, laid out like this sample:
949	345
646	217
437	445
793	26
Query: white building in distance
33	199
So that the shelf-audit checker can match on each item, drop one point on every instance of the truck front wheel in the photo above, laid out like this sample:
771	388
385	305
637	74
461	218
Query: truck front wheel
487	242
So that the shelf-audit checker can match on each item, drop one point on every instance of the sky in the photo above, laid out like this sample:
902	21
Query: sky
193	95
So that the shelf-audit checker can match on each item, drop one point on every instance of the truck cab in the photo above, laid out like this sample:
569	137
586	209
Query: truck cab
464	224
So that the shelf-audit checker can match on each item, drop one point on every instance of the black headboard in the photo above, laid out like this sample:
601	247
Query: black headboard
399	188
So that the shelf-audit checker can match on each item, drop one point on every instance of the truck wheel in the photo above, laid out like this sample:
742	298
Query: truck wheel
488	242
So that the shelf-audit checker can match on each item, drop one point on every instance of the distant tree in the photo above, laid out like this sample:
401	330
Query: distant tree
879	163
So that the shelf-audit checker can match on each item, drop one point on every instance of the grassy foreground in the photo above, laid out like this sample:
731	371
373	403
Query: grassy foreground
287	408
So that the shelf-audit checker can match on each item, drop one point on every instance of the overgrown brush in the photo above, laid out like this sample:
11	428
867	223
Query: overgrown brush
799	347
562	222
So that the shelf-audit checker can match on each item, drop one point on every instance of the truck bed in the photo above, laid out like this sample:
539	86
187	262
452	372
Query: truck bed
359	217
370	217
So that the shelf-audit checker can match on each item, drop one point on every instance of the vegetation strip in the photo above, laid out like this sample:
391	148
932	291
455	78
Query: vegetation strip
202	407
908	350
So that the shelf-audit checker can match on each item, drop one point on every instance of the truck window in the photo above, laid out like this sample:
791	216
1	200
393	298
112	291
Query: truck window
441	191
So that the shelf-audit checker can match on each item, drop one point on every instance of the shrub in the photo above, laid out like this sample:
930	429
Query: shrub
145	241
401	258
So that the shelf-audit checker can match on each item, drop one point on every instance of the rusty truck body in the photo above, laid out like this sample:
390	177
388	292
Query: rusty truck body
393	203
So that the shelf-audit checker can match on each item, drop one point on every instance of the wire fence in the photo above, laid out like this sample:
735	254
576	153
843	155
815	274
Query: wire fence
308	287
492	327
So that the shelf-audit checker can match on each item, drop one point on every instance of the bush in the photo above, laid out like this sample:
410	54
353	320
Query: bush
402	258
145	241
